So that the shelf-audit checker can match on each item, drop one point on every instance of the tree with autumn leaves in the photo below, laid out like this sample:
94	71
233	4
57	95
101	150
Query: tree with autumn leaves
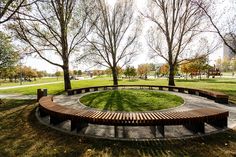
143	70
14	73
194	68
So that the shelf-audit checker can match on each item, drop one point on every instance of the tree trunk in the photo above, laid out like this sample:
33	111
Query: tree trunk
171	75
200	76
67	84
114	75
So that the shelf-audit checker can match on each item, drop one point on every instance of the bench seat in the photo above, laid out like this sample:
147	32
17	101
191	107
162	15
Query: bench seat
193	119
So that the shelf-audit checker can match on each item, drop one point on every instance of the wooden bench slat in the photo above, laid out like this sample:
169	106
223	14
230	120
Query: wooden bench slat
133	118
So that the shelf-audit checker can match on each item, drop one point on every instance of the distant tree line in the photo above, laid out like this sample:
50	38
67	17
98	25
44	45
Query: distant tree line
15	73
226	64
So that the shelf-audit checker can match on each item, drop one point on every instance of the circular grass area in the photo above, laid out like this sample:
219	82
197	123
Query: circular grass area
131	100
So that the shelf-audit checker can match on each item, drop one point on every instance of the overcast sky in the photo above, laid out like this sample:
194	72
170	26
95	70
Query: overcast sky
40	64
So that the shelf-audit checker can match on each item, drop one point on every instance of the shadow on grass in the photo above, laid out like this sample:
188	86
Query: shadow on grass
12	103
121	102
114	100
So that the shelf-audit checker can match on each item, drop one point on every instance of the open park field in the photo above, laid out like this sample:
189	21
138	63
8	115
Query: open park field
6	83
224	85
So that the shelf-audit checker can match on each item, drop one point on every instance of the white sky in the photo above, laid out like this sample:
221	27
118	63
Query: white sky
40	64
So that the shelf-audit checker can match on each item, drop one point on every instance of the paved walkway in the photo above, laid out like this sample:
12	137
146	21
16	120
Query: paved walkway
30	85
17	96
140	132
21	96
191	102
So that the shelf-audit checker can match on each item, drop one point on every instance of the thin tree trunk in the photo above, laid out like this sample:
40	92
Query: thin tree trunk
114	75
200	76
171	76
67	84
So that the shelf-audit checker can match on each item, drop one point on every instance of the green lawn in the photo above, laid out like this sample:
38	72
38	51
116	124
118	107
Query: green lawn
227	86
22	135
131	100
6	83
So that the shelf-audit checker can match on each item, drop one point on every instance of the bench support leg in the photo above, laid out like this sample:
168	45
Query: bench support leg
78	91
181	90
55	120
221	123
190	91
202	94
161	129
72	125
222	100
170	89
210	97
195	127
124	132
154	130
42	113
116	131
71	92
78	125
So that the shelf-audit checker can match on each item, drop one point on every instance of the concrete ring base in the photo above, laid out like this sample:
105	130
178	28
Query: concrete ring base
127	133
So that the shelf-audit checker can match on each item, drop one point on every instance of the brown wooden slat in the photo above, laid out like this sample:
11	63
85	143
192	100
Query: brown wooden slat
128	118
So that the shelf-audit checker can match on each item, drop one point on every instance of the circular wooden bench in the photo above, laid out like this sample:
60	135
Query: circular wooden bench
193	120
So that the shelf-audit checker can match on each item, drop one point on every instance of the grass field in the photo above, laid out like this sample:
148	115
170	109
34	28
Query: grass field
225	85
22	135
4	83
131	100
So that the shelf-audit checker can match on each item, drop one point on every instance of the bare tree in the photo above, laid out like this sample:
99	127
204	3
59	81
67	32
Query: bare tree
8	8
227	32
175	24
114	37
54	28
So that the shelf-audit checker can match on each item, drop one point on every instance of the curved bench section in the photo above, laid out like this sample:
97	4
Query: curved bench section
216	96
193	120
